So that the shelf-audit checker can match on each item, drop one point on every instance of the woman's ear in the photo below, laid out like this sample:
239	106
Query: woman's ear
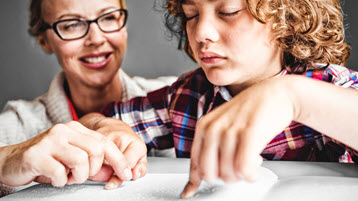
44	44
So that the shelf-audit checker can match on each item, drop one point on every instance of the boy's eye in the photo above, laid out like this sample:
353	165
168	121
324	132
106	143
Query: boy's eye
189	12
189	18
229	14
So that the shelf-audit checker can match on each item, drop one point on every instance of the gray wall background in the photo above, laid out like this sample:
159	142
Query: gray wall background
26	71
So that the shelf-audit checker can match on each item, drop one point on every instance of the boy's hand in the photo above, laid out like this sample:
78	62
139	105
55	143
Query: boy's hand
127	141
229	140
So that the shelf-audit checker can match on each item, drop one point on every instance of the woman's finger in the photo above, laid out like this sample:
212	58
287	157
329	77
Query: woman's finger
116	159
52	169
134	152
76	160
46	180
112	154
113	183
140	169
89	141
104	174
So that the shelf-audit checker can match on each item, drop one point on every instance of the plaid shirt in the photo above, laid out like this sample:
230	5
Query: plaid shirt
167	117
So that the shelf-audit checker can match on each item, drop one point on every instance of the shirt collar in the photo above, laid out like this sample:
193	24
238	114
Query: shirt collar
225	94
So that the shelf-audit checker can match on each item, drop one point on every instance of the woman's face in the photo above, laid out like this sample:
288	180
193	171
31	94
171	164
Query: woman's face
93	60
231	46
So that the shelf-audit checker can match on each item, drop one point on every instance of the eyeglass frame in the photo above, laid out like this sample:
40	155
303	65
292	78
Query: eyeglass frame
89	22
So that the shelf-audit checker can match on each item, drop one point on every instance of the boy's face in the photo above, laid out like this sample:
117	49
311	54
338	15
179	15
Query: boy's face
231	46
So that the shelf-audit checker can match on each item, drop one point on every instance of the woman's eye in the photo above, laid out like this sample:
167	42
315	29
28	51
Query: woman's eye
110	18
71	26
229	14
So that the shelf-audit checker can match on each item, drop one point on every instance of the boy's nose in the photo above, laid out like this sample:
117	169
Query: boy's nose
206	29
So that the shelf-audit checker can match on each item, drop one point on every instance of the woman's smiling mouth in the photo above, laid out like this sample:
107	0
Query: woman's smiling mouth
96	60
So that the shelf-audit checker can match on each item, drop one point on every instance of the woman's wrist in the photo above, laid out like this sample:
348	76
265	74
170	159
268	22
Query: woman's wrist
4	155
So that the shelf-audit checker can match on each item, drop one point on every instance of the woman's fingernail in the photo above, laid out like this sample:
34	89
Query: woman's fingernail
128	174
137	175
110	186
239	175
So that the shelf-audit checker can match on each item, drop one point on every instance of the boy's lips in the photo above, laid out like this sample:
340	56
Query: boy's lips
211	57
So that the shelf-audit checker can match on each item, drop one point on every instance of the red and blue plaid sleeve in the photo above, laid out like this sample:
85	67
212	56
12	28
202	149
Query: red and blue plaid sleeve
150	120
347	78
166	117
342	76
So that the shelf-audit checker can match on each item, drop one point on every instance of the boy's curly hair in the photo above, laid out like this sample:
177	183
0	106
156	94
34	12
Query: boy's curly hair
308	31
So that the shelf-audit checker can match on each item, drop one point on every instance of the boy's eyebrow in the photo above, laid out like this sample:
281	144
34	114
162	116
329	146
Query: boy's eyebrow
190	2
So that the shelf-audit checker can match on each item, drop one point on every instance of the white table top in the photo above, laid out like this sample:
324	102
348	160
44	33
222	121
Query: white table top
296	180
281	168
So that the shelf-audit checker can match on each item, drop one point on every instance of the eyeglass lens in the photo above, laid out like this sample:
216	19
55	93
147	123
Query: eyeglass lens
76	28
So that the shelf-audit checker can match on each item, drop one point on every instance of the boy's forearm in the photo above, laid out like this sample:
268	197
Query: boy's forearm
326	108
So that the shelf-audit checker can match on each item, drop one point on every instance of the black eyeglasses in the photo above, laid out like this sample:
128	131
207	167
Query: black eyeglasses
71	29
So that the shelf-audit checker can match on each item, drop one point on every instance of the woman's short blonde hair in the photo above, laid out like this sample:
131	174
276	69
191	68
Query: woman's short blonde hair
307	31
36	22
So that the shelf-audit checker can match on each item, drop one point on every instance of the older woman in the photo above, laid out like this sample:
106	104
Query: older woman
89	38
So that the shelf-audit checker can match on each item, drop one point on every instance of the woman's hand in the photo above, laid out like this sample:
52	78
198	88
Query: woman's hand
65	154
127	141
228	141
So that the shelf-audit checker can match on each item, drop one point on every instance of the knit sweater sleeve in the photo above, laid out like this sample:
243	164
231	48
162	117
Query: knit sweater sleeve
21	120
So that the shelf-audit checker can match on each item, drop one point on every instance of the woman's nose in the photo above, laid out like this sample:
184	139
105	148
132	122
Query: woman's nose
207	29
95	36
